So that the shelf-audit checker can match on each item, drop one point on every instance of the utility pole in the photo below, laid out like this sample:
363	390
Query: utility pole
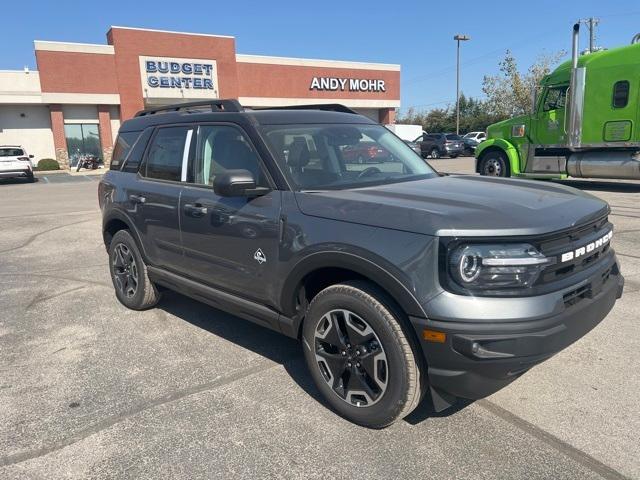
458	38
591	24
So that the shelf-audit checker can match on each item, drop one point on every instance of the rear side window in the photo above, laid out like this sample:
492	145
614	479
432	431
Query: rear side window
620	94
11	152
167	149
123	146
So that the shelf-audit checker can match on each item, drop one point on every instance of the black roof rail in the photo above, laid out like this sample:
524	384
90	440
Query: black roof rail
331	107
218	105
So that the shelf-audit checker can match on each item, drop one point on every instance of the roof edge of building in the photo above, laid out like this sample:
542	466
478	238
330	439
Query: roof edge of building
315	62
169	31
46	45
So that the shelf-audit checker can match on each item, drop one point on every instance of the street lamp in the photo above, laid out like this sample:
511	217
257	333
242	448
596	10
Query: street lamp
458	38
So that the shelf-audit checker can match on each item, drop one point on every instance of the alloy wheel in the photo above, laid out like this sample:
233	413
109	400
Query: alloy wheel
492	167
351	358
125	270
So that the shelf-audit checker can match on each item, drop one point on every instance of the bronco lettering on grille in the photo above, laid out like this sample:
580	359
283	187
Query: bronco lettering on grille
590	247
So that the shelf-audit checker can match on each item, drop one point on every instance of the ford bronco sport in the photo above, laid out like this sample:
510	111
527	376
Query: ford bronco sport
400	282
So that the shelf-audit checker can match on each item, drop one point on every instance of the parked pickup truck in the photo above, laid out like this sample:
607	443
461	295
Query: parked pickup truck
399	282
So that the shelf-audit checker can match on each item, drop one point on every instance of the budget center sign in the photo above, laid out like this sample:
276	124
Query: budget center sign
165	77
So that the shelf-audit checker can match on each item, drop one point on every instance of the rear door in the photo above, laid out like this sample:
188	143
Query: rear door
153	199
230	243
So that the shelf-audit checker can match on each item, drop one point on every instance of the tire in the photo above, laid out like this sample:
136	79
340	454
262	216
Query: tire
31	177
455	155
137	293
79	166
435	153
379	368
494	164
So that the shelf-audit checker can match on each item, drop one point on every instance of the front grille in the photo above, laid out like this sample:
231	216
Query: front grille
556	246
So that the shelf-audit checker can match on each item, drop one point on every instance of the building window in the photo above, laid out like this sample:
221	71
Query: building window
82	139
620	94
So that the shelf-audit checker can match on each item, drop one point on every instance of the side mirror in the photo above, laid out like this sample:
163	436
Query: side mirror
30	156
237	183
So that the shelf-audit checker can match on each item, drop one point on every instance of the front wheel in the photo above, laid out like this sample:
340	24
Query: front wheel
435	153
494	164
359	356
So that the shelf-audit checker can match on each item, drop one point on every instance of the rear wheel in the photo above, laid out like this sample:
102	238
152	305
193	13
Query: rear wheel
435	153
30	177
455	155
494	164
129	273
359	356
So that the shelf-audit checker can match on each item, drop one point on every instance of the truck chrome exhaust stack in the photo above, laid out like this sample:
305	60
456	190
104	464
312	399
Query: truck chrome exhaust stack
576	92
635	39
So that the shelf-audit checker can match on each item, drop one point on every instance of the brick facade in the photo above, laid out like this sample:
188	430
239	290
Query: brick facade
59	139
106	138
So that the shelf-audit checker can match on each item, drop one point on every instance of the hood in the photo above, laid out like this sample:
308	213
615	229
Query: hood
503	129
459	206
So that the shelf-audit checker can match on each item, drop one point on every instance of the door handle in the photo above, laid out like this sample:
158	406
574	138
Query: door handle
195	210
137	199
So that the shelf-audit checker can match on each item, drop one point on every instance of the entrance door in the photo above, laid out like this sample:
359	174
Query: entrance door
230	243
82	139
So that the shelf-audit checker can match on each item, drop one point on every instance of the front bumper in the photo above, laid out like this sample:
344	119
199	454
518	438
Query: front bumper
480	357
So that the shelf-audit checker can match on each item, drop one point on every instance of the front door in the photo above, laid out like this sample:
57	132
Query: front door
230	243
155	197
550	122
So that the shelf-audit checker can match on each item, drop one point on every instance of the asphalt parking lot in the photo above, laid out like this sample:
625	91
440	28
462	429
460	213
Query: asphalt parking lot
89	389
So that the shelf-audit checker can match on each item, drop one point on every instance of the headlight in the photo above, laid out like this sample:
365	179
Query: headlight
496	267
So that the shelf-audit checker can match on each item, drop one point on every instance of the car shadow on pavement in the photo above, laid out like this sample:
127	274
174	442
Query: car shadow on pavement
16	181
604	186
272	345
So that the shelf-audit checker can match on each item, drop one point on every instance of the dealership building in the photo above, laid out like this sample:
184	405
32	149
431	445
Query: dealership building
74	103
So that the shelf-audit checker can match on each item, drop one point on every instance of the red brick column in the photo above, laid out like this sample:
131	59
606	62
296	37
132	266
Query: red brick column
387	116
106	140
59	140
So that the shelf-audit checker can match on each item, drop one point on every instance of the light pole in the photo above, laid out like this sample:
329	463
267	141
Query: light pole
458	38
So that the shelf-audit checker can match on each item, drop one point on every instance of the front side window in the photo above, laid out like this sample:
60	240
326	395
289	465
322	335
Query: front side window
342	156
620	94
166	152
221	148
555	99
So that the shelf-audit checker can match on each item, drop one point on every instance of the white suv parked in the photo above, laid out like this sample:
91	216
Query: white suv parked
15	162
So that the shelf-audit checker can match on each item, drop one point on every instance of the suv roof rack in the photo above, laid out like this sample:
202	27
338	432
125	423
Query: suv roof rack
331	107
217	105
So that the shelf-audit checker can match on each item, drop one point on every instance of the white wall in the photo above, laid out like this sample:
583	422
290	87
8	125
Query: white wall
33	131
114	112
19	87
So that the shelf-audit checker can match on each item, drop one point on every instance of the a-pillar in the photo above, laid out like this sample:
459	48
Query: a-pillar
106	140
59	139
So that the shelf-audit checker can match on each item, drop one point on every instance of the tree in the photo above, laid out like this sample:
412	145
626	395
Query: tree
509	93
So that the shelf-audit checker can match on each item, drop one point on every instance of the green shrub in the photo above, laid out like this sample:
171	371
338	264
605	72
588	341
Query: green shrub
48	164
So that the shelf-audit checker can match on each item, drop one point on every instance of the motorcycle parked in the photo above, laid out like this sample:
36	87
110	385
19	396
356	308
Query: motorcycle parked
87	161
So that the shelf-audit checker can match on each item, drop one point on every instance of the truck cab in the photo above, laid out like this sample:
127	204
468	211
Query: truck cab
584	122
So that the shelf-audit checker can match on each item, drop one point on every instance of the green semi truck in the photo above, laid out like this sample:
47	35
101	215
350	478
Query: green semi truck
585	122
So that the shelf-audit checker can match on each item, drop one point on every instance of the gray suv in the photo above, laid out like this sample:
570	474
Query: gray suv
398	281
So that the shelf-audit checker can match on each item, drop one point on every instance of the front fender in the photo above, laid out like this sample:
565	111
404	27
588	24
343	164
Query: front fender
500	143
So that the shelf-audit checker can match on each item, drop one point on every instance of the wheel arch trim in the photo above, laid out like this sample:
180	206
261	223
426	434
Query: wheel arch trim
124	218
502	145
355	263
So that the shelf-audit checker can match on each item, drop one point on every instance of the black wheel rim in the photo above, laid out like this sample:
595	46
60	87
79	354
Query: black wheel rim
435	153
351	358
125	270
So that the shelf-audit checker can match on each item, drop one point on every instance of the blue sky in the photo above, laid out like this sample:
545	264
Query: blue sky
416	34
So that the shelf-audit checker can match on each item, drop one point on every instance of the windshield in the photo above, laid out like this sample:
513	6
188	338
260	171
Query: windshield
11	152
342	156
452	136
